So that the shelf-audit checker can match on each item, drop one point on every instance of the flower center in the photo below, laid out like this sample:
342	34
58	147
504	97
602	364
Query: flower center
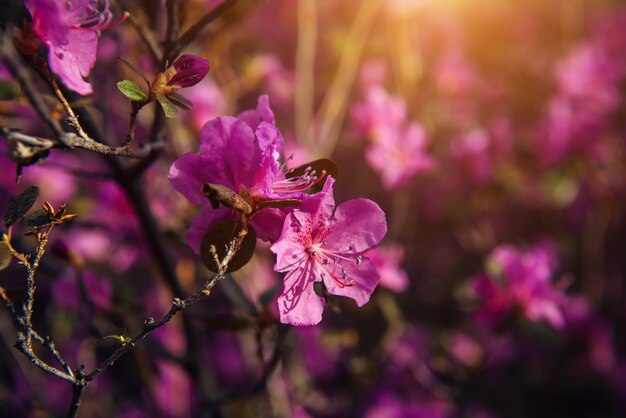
340	266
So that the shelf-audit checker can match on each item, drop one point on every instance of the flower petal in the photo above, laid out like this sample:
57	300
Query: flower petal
358	225
290	249
231	149
298	304
187	175
366	278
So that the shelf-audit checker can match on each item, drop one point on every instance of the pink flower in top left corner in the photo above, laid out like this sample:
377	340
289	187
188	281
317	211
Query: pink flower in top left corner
70	29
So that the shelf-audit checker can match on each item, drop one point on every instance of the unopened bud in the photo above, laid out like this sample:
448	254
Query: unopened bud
188	70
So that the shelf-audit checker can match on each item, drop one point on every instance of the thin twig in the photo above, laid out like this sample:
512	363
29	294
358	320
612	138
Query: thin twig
192	33
172	30
10	57
178	305
268	370
137	20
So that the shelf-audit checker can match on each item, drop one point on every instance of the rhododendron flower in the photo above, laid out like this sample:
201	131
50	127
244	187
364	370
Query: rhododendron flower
398	147
241	153
519	280
398	154
70	29
323	243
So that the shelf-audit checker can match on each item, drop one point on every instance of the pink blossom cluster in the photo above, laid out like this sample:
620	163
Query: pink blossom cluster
398	147
315	240
518	281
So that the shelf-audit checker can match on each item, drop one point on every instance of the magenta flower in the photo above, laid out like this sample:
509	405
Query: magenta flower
519	281
187	71
241	153
70	29
324	243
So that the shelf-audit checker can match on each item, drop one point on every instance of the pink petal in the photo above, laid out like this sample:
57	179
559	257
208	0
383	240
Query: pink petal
73	60
366	278
289	249
187	175
298	304
359	224
231	150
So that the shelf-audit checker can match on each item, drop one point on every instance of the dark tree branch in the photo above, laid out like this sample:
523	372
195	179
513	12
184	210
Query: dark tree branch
192	33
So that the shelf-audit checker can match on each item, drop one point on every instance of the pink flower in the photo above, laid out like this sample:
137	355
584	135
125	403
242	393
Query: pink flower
378	111
397	154
70	29
387	261
241	153
325	244
519	280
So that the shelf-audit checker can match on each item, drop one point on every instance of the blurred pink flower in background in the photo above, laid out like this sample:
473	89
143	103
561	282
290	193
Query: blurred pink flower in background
397	155
398	148
519	280
208	103
387	260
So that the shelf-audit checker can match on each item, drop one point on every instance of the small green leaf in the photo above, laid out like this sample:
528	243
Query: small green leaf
131	90
21	205
181	99
219	238
38	219
8	90
168	107
5	255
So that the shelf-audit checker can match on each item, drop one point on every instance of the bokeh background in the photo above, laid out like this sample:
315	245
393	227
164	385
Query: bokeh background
492	133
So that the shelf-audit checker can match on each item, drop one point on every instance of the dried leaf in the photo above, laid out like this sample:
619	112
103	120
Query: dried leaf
38	219
131	90
5	255
218	239
221	194
168	107
21	205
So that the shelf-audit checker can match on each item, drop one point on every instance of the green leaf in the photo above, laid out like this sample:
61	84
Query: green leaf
177	102
168	107
38	219
131	90
219	237
5	255
135	70
8	90
181	99
21	205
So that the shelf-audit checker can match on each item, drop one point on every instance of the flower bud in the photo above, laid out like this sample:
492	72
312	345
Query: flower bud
188	70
